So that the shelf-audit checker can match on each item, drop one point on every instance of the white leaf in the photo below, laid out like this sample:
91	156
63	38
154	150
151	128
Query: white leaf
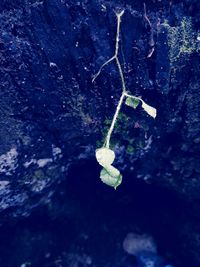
150	110
105	156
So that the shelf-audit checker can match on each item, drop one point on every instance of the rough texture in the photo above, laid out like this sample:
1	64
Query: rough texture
52	117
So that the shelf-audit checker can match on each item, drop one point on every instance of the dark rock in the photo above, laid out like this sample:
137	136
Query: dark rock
52	117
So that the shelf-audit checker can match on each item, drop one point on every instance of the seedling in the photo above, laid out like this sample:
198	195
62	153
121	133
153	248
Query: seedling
104	155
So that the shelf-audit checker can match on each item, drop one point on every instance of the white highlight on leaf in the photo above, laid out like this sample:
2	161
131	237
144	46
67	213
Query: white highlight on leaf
105	156
149	109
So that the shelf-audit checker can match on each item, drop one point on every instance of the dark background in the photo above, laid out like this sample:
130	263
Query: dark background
54	210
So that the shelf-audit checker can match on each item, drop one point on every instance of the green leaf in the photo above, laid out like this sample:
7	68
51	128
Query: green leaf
131	102
150	110
111	176
105	156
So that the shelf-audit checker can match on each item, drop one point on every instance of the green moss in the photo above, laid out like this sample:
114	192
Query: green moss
182	39
122	117
125	134
130	149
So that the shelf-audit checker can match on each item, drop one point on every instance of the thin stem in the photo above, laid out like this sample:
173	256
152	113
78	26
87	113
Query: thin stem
132	96
118	31
145	16
114	120
107	141
121	75
119	15
104	64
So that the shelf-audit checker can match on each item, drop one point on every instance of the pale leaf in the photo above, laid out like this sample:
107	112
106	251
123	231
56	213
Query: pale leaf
111	176
132	102
105	156
149	109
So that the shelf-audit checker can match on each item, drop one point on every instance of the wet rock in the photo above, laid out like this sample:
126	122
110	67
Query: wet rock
134	244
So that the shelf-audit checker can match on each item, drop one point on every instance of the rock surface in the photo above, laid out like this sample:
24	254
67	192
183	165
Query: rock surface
52	117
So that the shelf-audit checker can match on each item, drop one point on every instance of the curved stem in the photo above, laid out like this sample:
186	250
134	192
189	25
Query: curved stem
102	66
